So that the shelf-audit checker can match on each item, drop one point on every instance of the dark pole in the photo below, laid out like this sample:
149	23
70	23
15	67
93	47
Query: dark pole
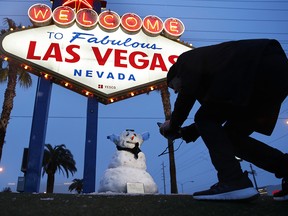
164	181
253	174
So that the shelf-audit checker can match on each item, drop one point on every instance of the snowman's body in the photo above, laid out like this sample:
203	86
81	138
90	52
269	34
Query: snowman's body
128	165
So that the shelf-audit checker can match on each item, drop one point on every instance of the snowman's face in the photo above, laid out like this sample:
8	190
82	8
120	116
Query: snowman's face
129	139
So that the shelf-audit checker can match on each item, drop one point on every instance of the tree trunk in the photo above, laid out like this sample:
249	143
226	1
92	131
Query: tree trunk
165	95
9	95
50	183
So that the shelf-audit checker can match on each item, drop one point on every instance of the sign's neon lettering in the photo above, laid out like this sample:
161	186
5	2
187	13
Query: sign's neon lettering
38	13
85	20
131	22
173	27
108	20
63	15
153	25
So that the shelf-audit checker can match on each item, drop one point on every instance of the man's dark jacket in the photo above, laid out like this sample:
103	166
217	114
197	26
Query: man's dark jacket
245	74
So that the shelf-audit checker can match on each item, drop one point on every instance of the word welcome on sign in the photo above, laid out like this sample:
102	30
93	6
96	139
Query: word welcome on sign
87	18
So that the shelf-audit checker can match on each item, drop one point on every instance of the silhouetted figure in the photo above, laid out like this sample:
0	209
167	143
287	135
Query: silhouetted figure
240	86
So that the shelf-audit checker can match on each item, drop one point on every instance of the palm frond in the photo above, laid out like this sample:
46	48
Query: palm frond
77	185
24	79
9	22
4	75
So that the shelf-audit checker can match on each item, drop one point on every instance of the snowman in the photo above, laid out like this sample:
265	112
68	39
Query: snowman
128	165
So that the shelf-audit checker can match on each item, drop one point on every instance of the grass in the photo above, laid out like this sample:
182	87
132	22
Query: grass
14	204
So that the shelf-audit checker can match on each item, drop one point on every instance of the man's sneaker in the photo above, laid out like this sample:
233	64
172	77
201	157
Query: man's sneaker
238	190
282	195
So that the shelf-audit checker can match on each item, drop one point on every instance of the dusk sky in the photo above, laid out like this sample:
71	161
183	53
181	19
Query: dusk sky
206	23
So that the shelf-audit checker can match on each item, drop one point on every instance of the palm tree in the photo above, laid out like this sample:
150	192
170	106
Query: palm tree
165	96
6	190
77	185
10	72
57	158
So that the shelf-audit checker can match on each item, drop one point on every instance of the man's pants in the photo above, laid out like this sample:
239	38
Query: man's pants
226	133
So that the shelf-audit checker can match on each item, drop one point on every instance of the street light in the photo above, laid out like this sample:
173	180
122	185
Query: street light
182	185
1	169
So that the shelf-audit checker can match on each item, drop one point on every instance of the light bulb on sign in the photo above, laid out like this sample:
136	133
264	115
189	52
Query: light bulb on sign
46	76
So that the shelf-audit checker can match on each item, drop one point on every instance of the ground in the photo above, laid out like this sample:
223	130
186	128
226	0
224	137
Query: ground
137	205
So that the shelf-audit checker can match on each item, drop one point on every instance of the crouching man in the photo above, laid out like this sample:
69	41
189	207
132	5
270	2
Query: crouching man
240	86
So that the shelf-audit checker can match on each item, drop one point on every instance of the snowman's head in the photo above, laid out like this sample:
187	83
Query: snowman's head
129	139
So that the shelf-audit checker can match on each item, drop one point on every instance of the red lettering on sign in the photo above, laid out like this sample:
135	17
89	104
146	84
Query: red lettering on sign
152	25
31	51
131	22
101	60
158	62
70	50
172	59
144	62
137	59
119	57
53	52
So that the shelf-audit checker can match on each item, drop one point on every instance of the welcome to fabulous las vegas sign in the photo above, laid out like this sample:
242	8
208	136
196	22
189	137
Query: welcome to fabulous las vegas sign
105	55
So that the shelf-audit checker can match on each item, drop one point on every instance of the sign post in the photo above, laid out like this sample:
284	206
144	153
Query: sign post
90	157
37	135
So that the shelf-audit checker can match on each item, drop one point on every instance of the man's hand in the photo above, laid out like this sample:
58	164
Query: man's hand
168	132
190	133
